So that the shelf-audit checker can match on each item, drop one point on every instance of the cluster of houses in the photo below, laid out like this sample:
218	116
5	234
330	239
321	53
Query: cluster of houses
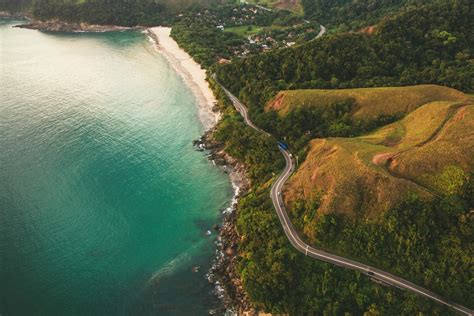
248	15
237	16
269	40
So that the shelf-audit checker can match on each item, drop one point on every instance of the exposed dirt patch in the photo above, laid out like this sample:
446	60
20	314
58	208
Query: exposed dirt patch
369	29
381	159
276	103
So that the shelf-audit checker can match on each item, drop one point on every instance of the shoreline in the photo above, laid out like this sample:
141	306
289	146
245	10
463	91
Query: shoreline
223	272
193	75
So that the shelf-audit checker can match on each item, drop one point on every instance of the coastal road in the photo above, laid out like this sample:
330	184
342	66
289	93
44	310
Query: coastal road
322	31
241	108
375	274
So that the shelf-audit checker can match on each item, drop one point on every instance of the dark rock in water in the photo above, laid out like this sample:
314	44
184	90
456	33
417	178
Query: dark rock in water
197	142
220	161
213	145
224	273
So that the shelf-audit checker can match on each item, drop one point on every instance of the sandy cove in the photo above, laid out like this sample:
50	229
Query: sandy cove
192	73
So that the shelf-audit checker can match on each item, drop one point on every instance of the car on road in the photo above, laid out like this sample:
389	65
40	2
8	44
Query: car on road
282	145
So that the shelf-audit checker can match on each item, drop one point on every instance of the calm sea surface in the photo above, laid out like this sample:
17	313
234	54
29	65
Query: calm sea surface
104	203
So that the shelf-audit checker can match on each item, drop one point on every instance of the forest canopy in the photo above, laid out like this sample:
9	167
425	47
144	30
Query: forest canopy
432	43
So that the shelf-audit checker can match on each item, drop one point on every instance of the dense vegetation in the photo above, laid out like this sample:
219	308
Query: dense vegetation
429	44
432	43
305	123
200	32
349	14
117	12
256	150
270	267
15	5
278	279
427	242
206	44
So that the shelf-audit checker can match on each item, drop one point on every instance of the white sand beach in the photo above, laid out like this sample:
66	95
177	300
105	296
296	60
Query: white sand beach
192	73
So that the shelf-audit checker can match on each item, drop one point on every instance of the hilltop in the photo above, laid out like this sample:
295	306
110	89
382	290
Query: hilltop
370	102
428	152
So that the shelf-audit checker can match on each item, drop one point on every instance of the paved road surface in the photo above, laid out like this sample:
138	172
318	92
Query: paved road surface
375	274
322	31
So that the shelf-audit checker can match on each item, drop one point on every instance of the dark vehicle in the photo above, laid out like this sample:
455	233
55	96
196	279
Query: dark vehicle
282	146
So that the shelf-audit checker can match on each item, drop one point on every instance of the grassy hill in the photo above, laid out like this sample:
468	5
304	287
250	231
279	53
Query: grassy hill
428	152
441	161
370	101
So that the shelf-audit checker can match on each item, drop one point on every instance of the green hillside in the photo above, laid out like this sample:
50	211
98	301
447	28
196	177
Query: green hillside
430	43
367	175
370	102
399	197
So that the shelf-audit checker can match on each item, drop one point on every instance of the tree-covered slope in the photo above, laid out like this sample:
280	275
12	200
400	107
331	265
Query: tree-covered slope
432	43
351	14
278	279
15	6
115	12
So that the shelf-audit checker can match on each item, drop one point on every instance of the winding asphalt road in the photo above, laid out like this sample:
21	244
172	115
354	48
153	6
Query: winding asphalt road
375	274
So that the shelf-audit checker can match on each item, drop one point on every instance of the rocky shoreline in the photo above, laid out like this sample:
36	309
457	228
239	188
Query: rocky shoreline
223	273
57	25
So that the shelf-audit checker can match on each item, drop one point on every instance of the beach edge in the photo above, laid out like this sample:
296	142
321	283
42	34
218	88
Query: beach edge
190	71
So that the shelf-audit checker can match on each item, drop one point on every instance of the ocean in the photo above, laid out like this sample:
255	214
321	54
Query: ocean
104	203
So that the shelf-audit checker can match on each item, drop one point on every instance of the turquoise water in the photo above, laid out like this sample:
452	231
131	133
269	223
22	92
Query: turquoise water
104	203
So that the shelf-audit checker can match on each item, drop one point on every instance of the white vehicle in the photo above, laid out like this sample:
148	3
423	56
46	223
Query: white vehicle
279	193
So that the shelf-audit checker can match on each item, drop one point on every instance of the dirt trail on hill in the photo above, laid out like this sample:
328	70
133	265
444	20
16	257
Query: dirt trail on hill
386	160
